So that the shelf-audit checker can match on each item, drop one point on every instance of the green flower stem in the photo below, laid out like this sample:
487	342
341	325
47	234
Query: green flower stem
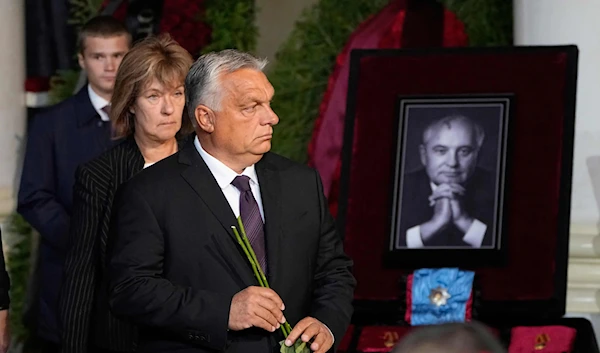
249	247
288	329
262	280
252	263
284	329
256	263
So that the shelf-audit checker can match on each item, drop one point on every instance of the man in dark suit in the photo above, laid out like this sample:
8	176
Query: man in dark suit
176	267
68	134
4	302
450	201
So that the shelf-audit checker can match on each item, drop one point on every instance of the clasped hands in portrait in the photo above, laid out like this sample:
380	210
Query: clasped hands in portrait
452	183
448	209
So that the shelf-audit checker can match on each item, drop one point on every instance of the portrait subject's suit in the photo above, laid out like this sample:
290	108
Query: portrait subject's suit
175	264
479	202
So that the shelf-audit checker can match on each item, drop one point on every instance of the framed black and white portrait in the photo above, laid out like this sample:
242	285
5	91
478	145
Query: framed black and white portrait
449	179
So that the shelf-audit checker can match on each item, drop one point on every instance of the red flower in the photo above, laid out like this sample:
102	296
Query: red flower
120	12
176	3
191	8
187	29
168	22
182	20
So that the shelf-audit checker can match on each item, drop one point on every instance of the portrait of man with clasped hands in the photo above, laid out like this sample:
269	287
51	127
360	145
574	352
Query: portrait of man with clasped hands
448	190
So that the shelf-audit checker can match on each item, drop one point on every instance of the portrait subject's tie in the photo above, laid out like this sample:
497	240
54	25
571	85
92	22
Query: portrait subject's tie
251	219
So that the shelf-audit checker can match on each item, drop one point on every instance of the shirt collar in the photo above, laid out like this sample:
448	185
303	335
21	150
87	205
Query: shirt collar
98	103
222	173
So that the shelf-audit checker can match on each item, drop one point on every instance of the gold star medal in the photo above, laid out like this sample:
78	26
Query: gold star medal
439	296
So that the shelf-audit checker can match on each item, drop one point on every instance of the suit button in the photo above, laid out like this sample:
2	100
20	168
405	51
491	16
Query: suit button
190	336
202	338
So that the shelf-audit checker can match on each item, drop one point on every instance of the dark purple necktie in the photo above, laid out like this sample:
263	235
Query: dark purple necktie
251	219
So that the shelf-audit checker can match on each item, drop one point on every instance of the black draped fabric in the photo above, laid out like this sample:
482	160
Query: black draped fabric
143	17
4	281
50	40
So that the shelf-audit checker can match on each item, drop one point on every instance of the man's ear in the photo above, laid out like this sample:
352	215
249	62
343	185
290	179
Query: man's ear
205	118
423	154
81	61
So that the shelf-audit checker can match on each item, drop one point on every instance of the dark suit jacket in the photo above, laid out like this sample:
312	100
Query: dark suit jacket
4	281
479	201
81	298
59	140
175	265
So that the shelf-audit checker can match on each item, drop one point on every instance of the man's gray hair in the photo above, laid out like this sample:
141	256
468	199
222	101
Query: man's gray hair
447	122
202	81
470	337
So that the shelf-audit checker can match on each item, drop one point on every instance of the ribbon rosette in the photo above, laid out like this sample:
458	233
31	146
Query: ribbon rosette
439	296
242	239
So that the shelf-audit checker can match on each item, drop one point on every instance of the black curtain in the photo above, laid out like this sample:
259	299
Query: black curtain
50	40
143	17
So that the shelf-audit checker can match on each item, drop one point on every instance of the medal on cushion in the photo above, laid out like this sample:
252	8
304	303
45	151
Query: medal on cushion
381	338
544	339
437	296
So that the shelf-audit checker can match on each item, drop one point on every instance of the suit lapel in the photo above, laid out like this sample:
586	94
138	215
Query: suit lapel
85	113
201	180
270	190
133	156
424	191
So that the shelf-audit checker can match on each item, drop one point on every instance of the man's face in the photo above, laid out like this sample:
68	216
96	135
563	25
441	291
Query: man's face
100	59
450	155
243	126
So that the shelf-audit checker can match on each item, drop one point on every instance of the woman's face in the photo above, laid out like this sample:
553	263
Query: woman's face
158	111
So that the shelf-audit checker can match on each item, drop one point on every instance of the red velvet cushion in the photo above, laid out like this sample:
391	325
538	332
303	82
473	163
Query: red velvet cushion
375	339
346	340
544	339
380	338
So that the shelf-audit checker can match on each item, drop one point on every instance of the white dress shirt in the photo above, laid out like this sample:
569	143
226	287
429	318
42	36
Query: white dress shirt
225	175
98	103
474	236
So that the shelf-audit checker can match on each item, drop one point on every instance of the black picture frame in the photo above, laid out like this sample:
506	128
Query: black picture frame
505	312
493	114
